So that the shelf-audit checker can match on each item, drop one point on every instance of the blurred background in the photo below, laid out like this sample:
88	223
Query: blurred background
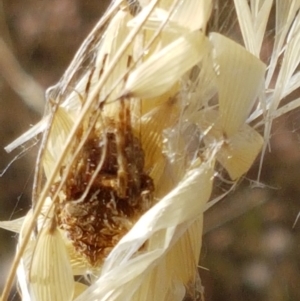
250	249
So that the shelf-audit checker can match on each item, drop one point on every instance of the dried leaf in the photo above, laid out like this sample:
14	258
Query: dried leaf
152	126
160	72
192	14
61	127
51	277
240	79
239	151
13	225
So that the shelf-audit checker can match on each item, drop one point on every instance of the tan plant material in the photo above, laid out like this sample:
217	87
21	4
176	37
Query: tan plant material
130	140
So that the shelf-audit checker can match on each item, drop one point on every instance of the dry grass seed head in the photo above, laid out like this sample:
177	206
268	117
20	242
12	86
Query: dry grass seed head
108	143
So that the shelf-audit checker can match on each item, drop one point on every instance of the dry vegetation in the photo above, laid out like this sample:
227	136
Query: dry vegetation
250	247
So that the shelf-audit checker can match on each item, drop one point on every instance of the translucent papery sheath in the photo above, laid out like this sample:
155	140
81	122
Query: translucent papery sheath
132	133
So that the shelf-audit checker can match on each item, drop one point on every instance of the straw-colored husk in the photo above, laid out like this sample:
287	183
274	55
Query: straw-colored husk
160	101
